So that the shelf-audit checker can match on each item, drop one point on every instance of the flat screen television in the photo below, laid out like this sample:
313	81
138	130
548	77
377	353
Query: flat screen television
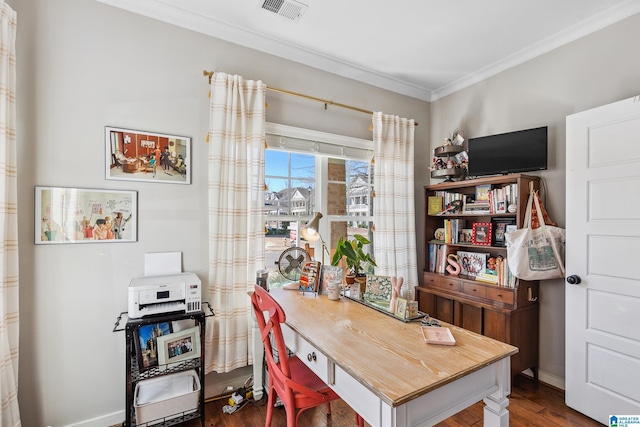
520	151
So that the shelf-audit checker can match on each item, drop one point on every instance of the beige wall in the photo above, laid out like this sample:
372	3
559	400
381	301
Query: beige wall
595	70
83	65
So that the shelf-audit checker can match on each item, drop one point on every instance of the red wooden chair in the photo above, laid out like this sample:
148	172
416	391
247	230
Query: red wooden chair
298	386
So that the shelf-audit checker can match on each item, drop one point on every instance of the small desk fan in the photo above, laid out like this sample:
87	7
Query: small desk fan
291	262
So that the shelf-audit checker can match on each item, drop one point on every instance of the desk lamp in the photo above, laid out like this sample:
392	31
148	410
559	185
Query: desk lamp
311	233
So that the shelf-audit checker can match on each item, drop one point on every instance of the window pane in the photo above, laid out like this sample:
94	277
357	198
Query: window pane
276	163
303	166
292	195
359	188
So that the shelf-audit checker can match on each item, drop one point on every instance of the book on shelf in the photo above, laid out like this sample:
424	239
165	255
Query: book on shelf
451	202
503	197
487	278
434	205
477	208
482	192
437	258
505	277
452	229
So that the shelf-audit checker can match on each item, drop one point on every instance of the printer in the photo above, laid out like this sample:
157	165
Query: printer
152	295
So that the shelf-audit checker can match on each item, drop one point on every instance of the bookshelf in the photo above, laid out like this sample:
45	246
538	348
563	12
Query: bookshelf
484	298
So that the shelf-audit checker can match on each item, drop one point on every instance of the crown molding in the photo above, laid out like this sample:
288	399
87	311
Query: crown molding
174	15
573	33
205	25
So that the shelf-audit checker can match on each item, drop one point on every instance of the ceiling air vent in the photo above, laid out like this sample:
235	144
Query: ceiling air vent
290	9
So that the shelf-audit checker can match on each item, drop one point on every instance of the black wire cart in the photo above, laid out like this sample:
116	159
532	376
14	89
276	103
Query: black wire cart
136	373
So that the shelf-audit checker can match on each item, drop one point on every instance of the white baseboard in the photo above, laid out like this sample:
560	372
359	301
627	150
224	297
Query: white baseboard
116	418
547	378
553	380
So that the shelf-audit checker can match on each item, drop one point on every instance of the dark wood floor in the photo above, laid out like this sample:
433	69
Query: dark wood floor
531	404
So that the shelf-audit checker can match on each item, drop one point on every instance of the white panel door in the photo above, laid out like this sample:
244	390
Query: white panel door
603	255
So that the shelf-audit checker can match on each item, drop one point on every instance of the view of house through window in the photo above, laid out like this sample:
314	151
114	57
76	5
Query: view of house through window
298	186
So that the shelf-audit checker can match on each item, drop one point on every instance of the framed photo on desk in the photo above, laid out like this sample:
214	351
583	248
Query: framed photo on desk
401	308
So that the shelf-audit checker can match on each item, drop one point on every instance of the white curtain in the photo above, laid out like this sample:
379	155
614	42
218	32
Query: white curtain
394	203
236	225
9	413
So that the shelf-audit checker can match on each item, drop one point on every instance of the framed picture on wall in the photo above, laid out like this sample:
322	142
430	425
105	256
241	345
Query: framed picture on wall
133	155
82	215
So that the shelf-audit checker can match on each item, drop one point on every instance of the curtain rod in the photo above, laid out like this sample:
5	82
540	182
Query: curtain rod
301	95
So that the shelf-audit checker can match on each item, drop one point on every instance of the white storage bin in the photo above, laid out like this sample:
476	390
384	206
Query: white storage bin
166	397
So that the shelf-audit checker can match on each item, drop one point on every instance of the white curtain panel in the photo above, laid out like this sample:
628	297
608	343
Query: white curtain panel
236	225
394	202
9	412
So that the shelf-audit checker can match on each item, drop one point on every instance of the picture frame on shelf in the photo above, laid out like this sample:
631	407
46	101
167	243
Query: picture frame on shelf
134	155
472	263
146	341
481	233
499	226
85	215
466	236
179	346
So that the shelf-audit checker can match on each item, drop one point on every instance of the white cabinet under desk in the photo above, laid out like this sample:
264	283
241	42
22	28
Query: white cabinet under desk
382	368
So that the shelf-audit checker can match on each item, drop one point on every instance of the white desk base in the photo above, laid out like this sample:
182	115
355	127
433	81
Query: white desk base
491	384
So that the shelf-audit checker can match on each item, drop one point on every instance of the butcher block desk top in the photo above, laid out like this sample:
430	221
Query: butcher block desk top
387	356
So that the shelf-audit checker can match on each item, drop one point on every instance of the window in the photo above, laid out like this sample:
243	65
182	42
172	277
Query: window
308	172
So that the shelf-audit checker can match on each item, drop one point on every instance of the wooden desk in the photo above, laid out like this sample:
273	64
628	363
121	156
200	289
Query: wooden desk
382	368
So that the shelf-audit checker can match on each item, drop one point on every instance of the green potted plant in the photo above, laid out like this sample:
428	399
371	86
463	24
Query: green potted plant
354	255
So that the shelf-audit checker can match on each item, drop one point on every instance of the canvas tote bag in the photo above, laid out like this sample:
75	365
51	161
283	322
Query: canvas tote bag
536	253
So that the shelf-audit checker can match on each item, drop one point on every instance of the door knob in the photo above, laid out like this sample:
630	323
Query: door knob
574	280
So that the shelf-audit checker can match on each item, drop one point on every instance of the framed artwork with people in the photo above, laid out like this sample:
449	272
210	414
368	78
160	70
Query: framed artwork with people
133	155
81	215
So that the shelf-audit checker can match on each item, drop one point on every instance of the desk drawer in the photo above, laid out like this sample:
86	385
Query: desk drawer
315	360
357	396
